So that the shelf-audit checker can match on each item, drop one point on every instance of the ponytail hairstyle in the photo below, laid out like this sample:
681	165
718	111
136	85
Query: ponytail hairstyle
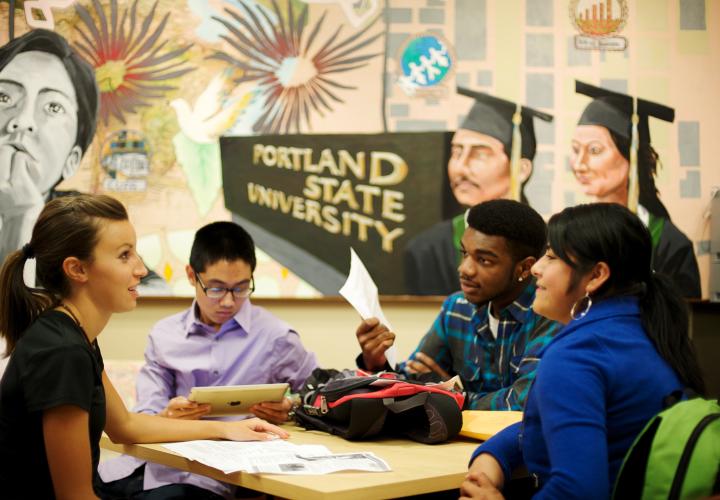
66	227
587	234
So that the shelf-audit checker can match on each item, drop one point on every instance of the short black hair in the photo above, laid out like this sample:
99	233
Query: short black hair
221	241
521	226
81	74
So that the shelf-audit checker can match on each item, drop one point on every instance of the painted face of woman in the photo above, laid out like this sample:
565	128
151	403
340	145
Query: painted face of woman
598	165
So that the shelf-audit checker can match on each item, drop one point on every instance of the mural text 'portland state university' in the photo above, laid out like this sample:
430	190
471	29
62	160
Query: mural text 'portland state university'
319	195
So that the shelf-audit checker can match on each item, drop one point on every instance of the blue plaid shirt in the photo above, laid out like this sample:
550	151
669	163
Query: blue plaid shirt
496	373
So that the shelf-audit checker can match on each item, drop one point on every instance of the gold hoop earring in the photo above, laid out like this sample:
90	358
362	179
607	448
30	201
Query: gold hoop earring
574	313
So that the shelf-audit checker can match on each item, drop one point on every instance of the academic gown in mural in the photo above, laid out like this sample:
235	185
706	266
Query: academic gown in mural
673	255
431	261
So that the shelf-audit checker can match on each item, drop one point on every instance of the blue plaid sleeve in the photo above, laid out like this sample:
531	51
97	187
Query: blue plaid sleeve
435	342
539	332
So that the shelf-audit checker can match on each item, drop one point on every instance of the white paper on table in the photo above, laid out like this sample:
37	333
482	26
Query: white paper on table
362	293
233	456
275	457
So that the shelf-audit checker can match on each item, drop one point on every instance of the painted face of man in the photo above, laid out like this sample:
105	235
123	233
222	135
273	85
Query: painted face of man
479	168
38	120
598	165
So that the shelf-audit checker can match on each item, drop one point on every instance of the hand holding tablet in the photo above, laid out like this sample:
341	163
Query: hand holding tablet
237	399
182	408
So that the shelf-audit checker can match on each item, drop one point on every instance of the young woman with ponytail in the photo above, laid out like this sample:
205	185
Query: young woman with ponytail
624	348
55	399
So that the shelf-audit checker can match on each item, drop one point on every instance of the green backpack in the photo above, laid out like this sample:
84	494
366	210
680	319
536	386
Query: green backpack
676	456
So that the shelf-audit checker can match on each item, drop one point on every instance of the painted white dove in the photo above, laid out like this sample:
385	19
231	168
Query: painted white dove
212	113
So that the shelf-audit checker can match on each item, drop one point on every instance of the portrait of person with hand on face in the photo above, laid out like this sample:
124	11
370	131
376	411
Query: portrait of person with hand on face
48	111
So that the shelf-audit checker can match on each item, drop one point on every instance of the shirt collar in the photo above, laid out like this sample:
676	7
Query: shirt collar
242	319
519	308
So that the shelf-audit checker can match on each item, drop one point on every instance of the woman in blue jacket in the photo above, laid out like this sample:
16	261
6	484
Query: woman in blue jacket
624	348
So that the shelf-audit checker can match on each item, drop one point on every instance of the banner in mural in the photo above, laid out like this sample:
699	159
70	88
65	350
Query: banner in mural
308	198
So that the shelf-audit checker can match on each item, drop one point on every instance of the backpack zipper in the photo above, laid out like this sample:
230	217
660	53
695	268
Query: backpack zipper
323	405
687	454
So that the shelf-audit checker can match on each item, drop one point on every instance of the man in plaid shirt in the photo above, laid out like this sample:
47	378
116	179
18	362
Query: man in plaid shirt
487	334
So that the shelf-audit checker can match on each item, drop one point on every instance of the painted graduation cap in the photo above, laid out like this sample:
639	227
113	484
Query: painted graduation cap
628	117
508	122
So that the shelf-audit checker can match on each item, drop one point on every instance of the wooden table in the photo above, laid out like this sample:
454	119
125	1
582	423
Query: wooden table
416	468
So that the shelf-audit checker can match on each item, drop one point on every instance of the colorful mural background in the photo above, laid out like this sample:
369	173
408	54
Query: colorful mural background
176	75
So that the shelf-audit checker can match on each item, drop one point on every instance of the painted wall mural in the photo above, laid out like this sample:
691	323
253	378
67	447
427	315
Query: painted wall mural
188	90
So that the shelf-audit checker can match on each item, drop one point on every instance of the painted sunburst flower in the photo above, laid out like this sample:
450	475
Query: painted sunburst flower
295	71
131	61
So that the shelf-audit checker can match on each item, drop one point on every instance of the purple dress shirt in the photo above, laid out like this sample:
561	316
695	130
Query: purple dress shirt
254	347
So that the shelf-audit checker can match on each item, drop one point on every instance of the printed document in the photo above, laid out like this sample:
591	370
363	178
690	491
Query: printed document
275	457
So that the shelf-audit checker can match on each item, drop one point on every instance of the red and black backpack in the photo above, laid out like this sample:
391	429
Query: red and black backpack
356	406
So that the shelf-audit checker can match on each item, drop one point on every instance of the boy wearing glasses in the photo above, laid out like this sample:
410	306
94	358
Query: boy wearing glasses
222	339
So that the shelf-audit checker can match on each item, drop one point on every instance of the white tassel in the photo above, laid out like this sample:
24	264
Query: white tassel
633	184
515	158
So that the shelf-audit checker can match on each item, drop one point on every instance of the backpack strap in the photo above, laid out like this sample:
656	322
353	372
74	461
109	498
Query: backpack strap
418	399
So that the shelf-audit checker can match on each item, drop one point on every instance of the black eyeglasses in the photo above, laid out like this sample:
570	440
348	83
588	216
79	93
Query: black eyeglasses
218	292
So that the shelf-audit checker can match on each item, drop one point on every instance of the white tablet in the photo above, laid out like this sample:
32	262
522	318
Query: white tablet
237	399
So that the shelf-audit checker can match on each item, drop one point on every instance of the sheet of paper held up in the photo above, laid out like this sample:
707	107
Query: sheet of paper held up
362	293
275	457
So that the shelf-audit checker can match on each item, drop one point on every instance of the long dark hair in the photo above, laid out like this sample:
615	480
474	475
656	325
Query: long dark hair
587	234
66	227
648	160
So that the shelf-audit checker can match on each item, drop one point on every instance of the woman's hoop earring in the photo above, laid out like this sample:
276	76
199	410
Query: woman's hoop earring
577	314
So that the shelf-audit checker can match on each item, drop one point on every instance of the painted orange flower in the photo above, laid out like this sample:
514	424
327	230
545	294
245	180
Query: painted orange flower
295	71
132	64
